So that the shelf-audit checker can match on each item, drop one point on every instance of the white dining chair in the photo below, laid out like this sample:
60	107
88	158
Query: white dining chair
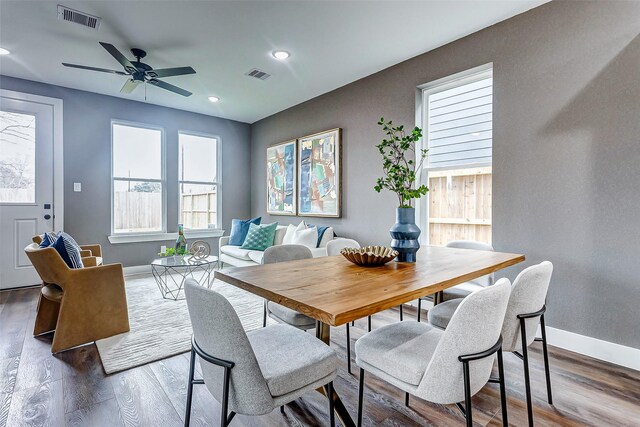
463	289
441	366
525	311
252	373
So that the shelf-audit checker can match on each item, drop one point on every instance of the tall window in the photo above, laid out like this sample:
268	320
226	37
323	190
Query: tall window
457	117
138	179
199	183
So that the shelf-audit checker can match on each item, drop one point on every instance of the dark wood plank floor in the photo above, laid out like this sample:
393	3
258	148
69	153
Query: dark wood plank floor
38	389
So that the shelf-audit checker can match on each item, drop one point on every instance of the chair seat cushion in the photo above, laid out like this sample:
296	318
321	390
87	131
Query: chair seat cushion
236	252
440	315
460	291
289	316
52	292
256	256
291	359
402	350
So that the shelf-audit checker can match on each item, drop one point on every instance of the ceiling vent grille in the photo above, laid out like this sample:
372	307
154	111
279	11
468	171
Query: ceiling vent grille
258	74
70	15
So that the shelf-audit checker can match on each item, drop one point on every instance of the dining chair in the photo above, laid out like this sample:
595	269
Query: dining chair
277	312
463	289
441	366
252	373
525	311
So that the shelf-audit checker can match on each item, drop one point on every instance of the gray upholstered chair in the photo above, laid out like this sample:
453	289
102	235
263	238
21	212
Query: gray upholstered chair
277	312
252	373
463	289
525	310
439	366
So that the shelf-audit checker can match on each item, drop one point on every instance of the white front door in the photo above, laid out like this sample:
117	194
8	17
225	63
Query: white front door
26	184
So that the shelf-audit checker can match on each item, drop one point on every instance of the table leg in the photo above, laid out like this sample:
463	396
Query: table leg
323	333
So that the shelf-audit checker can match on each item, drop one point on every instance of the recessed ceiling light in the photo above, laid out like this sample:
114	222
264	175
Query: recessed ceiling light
280	54
214	99
4	51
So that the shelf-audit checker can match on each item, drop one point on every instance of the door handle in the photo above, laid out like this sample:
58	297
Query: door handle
47	216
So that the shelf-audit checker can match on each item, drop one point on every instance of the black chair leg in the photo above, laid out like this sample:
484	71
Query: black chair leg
264	316
401	314
467	394
353	323
282	409
525	362
348	349
360	397
369	320
503	391
419	308
192	366
546	359
225	398
332	415
406	399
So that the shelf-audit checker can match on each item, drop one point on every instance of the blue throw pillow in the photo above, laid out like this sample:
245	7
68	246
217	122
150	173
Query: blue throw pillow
239	230
68	249
48	239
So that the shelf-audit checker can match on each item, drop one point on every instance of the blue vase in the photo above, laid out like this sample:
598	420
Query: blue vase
404	235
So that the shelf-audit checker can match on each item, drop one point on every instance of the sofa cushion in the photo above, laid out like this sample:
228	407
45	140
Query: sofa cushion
239	229
260	237
236	252
68	249
307	237
281	230
256	256
291	231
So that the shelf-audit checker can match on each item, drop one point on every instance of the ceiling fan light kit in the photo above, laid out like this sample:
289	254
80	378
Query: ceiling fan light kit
139	72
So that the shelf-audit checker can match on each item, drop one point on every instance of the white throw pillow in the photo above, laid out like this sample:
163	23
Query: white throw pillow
307	237
291	231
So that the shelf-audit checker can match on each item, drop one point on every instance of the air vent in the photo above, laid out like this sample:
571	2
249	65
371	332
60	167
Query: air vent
258	74
70	15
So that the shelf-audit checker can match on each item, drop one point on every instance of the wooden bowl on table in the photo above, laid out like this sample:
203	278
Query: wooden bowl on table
369	256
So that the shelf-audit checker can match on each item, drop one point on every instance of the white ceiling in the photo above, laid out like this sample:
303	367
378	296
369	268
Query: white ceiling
331	44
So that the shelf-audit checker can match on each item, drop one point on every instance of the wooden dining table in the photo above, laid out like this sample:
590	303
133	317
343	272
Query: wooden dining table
334	291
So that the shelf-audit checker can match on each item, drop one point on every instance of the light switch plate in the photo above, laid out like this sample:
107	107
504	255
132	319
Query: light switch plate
77	187
163	249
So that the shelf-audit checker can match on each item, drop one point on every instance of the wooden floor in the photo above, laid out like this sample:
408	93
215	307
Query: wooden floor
38	389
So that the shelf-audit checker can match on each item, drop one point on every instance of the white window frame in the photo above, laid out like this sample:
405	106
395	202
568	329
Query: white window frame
422	93
217	180
140	236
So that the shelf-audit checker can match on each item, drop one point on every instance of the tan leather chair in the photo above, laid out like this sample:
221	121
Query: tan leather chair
91	254
81	305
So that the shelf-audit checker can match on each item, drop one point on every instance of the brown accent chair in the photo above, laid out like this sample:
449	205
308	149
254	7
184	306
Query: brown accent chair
91	254
81	305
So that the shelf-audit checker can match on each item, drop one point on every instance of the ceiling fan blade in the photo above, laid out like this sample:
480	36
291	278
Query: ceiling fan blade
169	87
169	72
119	57
129	86
102	70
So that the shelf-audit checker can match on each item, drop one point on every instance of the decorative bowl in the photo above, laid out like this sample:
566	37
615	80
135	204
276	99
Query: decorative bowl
369	256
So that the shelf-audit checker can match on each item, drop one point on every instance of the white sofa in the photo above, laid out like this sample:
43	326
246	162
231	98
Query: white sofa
233	255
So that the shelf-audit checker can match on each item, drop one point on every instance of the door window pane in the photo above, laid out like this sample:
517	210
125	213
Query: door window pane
137	206
17	157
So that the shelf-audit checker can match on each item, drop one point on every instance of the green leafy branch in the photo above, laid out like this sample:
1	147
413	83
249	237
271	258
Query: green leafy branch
173	252
400	171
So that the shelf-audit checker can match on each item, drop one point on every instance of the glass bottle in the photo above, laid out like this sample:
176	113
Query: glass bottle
181	242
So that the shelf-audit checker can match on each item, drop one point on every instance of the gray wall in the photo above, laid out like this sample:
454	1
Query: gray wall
566	151
87	159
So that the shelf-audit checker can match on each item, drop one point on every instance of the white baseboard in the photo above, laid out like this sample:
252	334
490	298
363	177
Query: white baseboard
598	349
137	270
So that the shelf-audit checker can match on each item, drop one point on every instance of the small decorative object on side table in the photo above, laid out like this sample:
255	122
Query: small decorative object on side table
400	177
170	273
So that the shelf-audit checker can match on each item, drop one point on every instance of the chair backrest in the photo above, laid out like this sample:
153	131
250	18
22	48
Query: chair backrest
48	264
528	295
219	333
474	327
336	245
282	253
478	246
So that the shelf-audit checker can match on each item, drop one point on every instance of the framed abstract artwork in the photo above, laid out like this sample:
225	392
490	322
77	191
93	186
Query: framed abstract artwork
281	178
319	174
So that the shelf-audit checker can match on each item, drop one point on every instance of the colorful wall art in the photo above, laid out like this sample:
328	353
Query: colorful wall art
281	178
319	174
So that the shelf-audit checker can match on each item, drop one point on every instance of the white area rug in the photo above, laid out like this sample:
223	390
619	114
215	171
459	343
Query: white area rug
161	328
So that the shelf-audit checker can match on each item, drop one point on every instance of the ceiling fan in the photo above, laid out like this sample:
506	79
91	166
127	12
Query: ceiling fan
140	72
